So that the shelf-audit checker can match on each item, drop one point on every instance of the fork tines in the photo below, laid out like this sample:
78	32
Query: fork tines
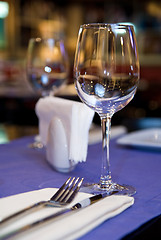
68	191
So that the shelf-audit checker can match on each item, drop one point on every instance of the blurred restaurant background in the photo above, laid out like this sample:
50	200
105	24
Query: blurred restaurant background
21	20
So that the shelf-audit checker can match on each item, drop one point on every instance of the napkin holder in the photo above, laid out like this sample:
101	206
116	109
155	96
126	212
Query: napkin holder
64	128
57	153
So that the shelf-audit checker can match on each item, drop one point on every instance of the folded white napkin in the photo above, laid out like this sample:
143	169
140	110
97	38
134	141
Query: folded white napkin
70	226
70	122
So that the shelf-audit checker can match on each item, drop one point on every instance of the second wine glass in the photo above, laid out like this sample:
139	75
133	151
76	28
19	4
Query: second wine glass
106	71
47	65
47	69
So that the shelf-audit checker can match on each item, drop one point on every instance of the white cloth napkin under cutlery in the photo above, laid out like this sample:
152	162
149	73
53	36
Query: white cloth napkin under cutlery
69	226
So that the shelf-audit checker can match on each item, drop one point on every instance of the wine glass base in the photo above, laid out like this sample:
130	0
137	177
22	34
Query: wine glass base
94	188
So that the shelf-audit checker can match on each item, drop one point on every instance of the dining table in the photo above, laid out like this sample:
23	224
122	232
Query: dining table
24	169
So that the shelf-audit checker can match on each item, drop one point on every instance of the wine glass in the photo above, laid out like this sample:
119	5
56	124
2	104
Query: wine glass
106	71
47	69
47	65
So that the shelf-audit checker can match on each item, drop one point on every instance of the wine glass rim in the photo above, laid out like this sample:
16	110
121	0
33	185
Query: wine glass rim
107	25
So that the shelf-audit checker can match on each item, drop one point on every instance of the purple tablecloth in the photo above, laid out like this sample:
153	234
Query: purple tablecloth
23	169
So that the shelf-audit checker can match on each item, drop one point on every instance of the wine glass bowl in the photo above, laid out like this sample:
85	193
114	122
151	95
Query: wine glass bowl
106	71
47	65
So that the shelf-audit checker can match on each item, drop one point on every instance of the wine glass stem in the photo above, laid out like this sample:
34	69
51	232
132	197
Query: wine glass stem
105	180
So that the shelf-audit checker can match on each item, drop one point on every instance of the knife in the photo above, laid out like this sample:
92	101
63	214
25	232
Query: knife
82	204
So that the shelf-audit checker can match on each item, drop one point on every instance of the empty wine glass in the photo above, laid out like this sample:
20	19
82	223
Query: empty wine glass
47	69
106	72
47	65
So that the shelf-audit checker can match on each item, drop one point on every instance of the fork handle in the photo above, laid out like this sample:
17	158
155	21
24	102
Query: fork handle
22	213
43	220
37	223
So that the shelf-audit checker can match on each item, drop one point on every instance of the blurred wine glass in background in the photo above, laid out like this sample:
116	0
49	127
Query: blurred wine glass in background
47	69
47	65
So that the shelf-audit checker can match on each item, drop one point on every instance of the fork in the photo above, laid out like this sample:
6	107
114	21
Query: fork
62	197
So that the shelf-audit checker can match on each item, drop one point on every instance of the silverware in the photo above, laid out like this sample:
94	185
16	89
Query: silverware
82	204
62	197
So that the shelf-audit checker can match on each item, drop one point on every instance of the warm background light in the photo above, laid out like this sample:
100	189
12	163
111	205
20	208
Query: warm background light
4	9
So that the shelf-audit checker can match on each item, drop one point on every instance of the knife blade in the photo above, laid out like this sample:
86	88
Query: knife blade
82	204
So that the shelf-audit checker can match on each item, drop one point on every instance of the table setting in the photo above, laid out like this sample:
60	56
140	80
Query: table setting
116	175
79	223
24	173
